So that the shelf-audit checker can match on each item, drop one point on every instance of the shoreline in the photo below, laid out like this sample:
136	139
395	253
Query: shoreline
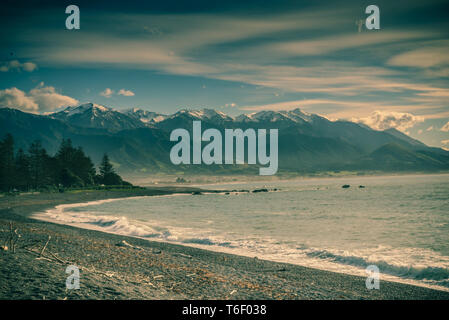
120	267
234	179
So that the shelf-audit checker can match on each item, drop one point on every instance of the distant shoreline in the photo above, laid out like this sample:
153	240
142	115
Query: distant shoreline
241	179
153	269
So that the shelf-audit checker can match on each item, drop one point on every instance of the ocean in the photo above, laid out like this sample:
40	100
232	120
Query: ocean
398	223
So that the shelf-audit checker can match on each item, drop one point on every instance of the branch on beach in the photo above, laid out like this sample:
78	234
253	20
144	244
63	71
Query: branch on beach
53	258
45	246
41	253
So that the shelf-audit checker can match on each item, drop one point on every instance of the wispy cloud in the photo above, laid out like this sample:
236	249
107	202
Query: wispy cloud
434	53
316	53
351	109
347	41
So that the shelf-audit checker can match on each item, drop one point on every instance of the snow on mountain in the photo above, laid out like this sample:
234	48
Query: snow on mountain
91	115
203	114
295	115
98	116
145	116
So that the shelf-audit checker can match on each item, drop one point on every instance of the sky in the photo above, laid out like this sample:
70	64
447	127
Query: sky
235	57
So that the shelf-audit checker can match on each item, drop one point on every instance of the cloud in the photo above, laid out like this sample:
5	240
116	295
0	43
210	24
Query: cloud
445	142
434	54
445	128
126	93
382	120
262	50
17	99
48	99
343	42
107	93
15	65
429	128
39	99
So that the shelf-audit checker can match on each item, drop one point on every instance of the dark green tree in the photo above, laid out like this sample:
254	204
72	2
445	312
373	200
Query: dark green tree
40	166
107	174
70	167
75	167
22	178
7	166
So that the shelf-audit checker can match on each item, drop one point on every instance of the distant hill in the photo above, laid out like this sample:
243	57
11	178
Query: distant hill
138	140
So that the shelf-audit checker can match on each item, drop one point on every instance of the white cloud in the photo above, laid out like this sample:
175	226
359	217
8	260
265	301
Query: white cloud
107	93
39	99
16	65
445	128
429	128
126	93
48	99
15	98
382	120
445	142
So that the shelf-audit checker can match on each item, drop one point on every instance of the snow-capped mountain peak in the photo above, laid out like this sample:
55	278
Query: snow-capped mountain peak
144	116
93	115
70	111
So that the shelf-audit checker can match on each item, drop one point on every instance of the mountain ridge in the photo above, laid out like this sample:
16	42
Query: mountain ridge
138	140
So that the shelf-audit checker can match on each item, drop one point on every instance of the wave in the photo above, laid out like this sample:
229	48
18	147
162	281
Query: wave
422	266
208	242
422	271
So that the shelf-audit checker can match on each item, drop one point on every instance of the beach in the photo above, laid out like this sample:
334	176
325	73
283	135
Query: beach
119	267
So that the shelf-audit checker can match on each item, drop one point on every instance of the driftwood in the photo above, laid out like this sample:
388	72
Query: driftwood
44	253
125	244
45	247
57	258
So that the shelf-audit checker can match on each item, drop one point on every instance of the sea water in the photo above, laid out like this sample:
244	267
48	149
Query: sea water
398	223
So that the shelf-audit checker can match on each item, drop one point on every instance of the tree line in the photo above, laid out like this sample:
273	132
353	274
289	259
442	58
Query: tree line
37	170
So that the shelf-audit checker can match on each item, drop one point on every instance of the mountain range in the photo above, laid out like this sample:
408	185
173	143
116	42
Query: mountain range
138	140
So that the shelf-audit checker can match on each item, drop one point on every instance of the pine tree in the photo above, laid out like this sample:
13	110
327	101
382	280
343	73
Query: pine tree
107	173
22	177
75	168
39	165
7	166
106	166
70	167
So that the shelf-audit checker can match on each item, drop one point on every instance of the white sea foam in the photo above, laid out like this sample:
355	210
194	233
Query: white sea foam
319	226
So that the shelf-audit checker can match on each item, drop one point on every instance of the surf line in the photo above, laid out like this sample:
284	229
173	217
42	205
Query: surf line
212	153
